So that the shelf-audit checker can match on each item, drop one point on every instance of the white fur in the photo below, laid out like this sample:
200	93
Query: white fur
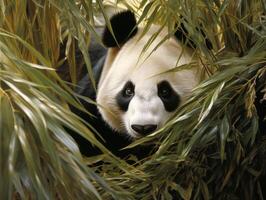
125	64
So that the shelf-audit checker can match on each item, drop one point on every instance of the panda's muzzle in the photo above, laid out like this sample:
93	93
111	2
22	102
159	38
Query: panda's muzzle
144	129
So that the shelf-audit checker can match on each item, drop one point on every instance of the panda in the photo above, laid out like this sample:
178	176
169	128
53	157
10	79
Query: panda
137	96
137	92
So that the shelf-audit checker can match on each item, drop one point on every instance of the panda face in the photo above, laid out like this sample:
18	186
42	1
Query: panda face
136	93
146	105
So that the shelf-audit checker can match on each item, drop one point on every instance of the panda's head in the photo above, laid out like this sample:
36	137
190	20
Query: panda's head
136	93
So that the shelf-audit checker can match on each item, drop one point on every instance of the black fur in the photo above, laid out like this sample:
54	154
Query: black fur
124	27
168	96
182	35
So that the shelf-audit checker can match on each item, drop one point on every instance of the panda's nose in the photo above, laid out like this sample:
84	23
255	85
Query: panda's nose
144	129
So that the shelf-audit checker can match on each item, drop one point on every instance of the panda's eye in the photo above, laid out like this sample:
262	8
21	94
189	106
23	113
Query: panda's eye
124	97
168	96
128	90
165	92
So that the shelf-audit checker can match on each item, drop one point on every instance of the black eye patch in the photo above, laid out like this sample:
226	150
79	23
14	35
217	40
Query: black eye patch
124	97
169	97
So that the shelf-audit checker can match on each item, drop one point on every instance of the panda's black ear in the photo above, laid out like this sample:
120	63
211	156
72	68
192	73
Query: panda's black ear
124	27
182	35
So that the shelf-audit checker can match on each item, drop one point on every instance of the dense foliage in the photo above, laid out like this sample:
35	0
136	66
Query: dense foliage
213	148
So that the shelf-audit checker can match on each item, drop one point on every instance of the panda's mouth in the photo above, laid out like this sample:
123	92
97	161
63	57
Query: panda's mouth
134	135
